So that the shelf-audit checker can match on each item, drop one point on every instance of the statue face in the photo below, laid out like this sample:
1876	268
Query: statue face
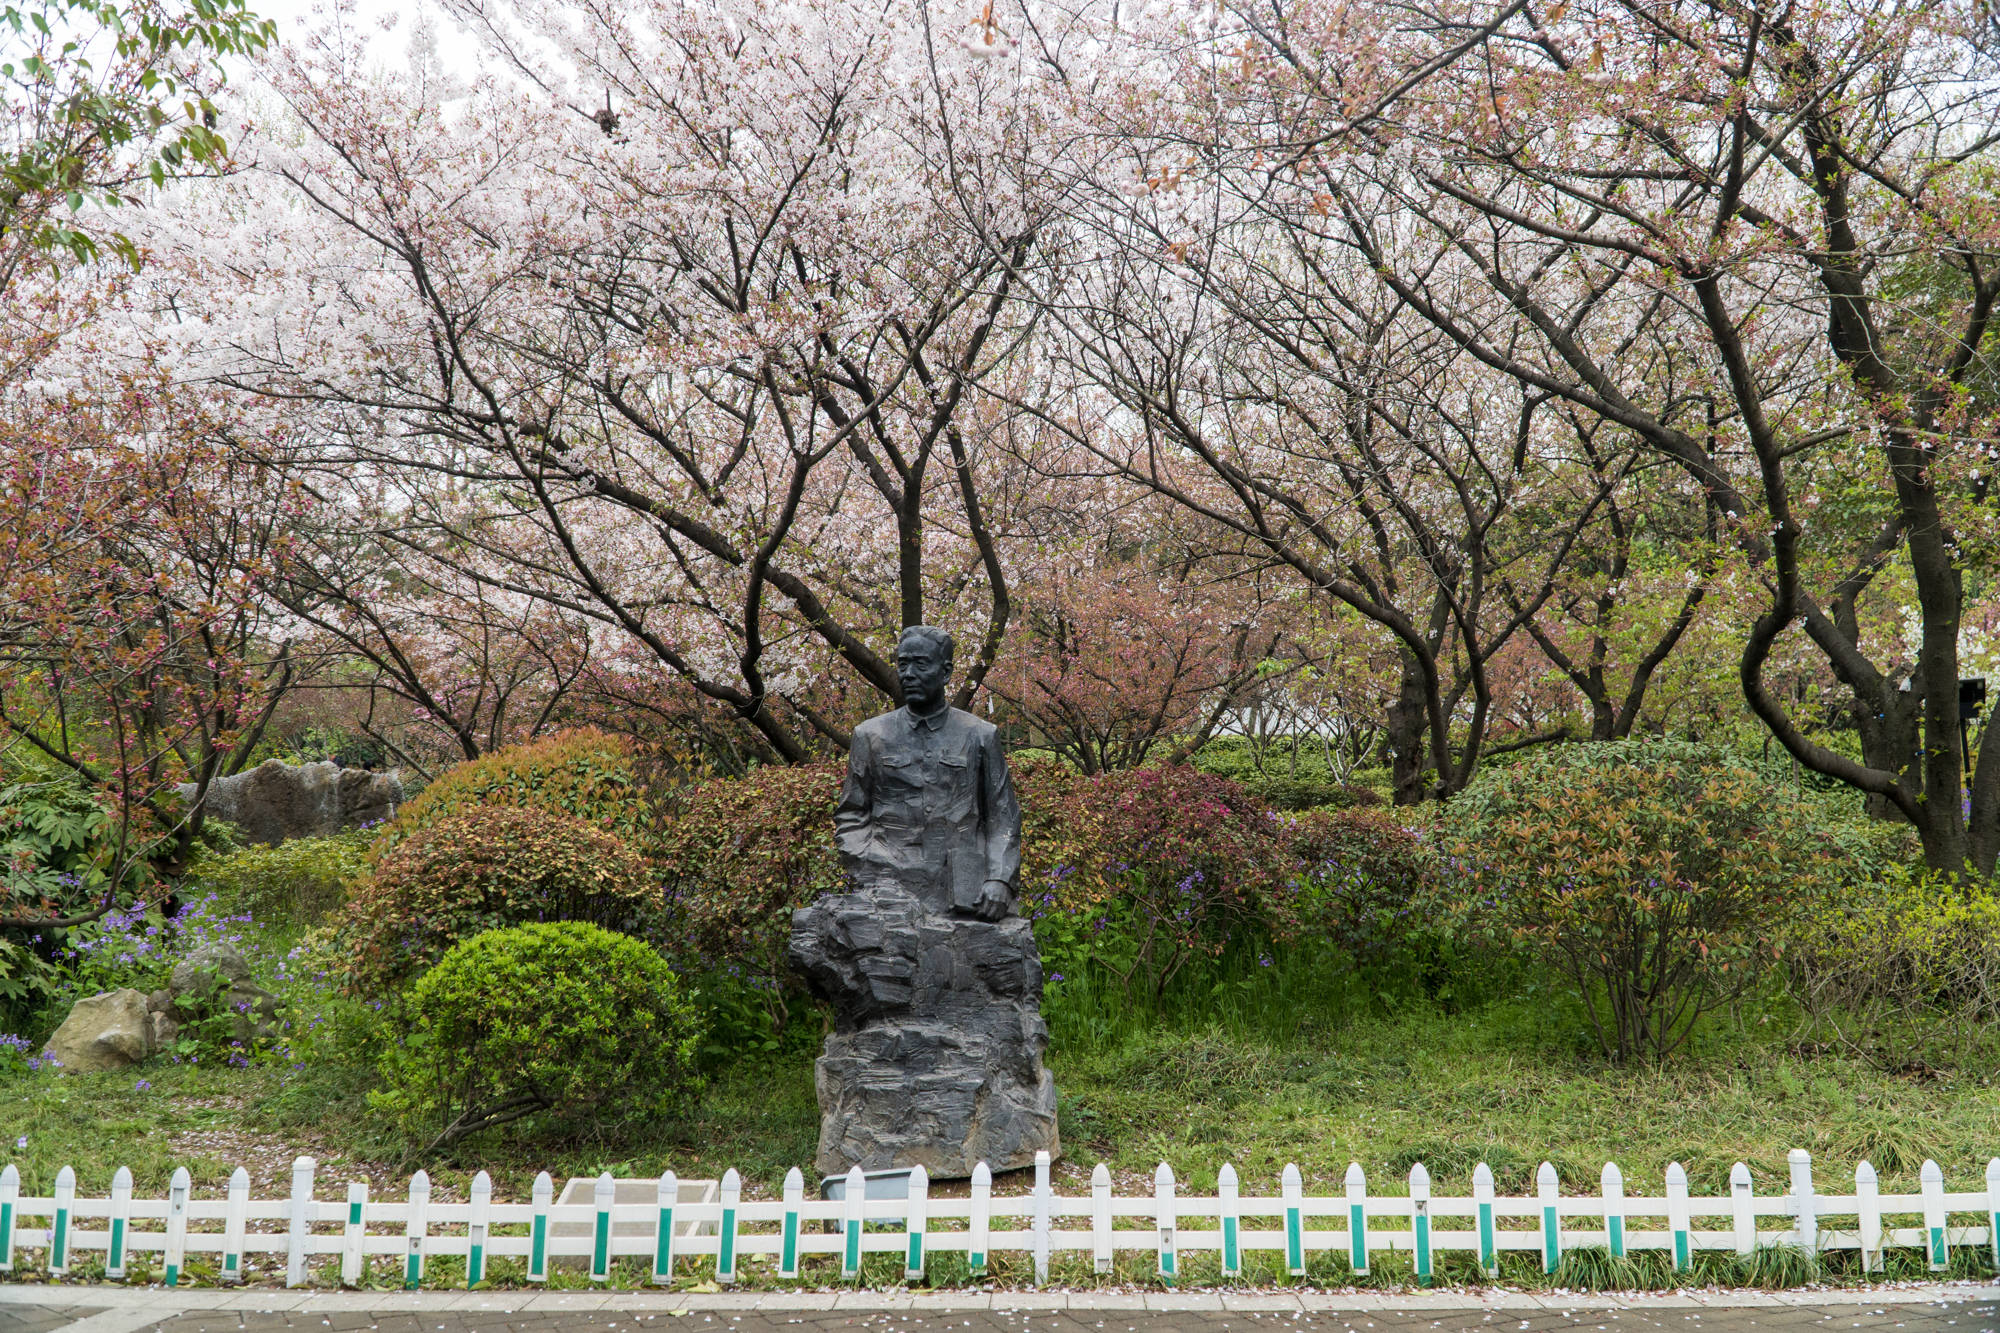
923	671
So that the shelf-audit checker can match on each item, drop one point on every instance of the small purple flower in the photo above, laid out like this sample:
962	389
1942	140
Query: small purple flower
142	1086
21	1144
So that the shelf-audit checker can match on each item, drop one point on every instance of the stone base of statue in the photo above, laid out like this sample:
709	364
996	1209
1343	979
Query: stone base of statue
935	1059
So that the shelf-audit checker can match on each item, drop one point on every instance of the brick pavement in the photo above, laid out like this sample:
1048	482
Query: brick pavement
1961	1310
1874	1319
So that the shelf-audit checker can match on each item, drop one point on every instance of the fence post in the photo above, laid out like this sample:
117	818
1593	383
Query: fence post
232	1225
1164	1218
121	1223
1231	1221
979	1226
299	1221
604	1195
415	1230
1993	1209
357	1228
478	1208
1805	1206
1548	1190
1744	1206
541	1198
1677	1217
59	1231
175	1254
725	1240
1420	1222
788	1241
10	1191
1100	1218
663	1241
1933	1184
1293	1187
1044	1202
856	1199
1357	1219
916	1221
1868	1206
1482	1205
1611	1183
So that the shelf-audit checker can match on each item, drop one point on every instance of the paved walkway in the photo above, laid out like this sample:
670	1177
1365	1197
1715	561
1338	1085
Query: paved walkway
1963	1308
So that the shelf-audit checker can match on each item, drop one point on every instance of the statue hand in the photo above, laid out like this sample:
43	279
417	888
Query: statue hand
994	900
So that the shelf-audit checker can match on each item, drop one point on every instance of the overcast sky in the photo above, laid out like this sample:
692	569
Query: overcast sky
455	47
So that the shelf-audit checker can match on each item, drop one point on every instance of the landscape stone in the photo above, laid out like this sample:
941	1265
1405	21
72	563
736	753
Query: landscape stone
109	1031
166	1030
276	801
206	967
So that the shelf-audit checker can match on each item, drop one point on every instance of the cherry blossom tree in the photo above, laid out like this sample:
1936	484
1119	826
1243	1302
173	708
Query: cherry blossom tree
680	328
1788	210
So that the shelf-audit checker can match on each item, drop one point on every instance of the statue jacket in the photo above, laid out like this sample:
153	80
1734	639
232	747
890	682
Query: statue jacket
929	806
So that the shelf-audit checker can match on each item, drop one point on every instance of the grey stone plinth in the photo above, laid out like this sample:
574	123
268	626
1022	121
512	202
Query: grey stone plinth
936	1054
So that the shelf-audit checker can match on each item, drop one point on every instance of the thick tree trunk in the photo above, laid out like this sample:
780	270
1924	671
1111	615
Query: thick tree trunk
1408	724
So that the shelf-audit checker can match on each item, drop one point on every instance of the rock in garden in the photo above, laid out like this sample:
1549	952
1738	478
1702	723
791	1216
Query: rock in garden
110	1031
276	801
936	986
207	968
252	1010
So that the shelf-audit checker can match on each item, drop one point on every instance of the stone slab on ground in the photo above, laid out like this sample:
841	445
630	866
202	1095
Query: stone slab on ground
583	1190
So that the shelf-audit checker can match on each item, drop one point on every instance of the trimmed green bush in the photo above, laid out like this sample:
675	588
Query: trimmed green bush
481	870
1659	877
586	774
558	1020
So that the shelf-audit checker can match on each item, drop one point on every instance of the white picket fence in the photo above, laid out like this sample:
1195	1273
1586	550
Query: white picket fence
1038	1224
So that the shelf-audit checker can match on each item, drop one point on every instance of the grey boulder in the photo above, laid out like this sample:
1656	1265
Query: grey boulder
109	1031
936	1054
276	801
210	966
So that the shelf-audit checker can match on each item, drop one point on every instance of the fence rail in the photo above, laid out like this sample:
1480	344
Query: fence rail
1039	1224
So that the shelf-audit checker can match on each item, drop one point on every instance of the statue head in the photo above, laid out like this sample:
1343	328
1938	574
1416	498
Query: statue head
923	665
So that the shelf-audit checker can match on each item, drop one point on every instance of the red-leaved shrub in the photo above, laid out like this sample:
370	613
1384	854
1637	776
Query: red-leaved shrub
481	870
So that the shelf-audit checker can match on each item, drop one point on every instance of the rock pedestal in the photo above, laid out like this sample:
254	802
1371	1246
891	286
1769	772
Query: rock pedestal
936	1054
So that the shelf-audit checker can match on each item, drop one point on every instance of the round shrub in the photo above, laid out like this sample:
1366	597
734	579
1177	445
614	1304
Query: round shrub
1657	876
1139	872
484	869
585	774
735	857
558	1020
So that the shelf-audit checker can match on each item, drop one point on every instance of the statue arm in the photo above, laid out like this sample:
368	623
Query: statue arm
857	800
1002	824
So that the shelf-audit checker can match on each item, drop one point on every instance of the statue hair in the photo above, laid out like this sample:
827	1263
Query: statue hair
938	639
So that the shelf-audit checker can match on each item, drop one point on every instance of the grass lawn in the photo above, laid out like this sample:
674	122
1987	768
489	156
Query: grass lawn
1503	1085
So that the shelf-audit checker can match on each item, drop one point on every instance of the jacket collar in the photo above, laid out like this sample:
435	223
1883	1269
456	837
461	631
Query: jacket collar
913	719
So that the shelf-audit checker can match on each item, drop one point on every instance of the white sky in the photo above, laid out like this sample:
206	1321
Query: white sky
456	48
